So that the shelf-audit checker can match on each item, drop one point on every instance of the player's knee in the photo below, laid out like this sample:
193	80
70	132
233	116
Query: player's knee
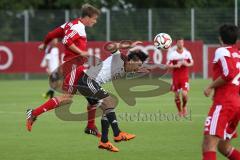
108	102
209	143
177	98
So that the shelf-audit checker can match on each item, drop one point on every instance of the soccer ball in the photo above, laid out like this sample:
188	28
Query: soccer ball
162	41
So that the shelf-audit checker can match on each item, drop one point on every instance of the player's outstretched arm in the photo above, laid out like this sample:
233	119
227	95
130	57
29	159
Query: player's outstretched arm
56	33
155	66
114	46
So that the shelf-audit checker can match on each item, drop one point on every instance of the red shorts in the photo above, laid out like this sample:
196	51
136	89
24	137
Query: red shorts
72	70
70	82
222	121
179	85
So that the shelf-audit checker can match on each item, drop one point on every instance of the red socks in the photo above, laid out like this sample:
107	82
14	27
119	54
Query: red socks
50	104
234	155
178	104
210	155
91	116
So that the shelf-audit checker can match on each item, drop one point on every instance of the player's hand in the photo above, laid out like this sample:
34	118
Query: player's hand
42	47
178	65
84	53
48	71
207	91
184	63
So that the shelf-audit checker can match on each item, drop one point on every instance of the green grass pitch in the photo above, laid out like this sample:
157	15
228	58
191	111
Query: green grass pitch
54	139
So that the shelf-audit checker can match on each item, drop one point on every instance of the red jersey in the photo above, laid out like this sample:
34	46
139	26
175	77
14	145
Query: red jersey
175	57
227	65
72	33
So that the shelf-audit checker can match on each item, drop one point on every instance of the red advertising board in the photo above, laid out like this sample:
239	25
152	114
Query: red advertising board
21	57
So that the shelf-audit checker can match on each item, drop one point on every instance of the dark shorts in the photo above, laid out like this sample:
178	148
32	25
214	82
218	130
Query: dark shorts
91	89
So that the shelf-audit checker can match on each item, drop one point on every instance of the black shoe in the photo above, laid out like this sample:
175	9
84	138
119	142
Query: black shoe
93	131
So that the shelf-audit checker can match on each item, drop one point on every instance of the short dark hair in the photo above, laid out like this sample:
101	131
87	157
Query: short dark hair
89	10
137	55
228	33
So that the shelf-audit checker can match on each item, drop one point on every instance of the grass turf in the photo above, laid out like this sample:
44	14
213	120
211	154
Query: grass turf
158	137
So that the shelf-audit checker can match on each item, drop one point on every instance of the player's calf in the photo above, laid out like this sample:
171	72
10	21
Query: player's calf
226	149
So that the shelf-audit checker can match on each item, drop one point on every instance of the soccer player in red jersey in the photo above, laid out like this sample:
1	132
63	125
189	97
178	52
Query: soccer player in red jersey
223	117
179	60
75	42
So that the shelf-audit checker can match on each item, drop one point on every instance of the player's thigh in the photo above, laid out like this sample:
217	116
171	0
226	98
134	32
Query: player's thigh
210	143
218	118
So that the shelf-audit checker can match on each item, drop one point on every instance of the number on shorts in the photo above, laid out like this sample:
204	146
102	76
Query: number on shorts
208	121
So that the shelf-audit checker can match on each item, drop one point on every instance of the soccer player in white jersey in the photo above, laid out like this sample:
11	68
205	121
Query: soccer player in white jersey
51	63
179	60
89	85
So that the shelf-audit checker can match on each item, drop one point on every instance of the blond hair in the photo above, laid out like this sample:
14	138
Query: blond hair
89	10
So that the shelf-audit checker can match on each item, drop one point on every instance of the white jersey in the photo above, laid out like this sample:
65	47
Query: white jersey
175	56
53	59
110	69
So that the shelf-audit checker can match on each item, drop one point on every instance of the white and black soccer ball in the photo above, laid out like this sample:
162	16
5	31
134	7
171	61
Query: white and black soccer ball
162	41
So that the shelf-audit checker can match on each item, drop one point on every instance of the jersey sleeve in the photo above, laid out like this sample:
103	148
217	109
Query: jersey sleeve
225	62
169	58
56	33
228	68
189	55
